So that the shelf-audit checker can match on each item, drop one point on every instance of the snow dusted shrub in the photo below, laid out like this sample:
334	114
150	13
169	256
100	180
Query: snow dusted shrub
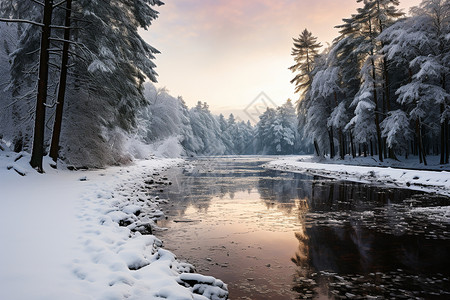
396	129
87	140
170	147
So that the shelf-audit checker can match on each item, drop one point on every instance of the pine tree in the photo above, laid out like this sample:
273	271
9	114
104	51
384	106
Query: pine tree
419	43
364	27
305	50
108	71
344	57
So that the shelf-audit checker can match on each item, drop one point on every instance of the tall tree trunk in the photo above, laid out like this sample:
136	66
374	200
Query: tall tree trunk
39	125
422	155
447	137
316	147
330	135
390	150
54	148
377	116
352	145
443	137
341	144
444	125
371	148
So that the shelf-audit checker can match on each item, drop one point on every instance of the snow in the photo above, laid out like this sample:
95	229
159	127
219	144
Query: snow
402	176
61	237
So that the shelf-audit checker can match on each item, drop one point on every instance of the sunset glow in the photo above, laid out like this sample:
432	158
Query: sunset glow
227	52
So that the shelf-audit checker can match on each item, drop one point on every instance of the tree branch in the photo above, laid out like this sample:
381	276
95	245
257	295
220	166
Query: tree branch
40	3
63	27
21	21
59	3
66	41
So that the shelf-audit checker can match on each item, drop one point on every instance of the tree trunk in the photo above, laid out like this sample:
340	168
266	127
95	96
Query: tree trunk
330	135
447	137
316	147
442	148
377	117
39	126
54	148
341	144
352	145
371	148
422	155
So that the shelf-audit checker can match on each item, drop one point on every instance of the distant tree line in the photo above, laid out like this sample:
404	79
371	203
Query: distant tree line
202	133
382	87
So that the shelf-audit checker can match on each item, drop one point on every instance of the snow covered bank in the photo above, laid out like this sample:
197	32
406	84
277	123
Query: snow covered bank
86	235
423	180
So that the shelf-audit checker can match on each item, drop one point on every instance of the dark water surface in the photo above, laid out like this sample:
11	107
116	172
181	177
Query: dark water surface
276	235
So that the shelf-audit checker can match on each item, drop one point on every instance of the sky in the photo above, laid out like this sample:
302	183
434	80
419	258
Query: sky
231	53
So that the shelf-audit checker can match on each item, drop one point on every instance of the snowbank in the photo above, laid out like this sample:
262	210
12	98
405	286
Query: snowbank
423	180
86	235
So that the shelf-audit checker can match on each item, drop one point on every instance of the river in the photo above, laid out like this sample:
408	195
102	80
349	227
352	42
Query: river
277	235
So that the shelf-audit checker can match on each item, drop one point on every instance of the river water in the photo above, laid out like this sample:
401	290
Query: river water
277	235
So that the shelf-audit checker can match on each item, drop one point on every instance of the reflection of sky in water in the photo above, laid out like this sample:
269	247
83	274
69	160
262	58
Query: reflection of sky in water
267	233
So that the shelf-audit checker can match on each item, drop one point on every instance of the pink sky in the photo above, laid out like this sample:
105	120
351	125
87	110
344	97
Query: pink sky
227	52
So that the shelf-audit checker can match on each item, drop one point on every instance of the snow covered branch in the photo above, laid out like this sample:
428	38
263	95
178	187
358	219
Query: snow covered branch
59	3
21	21
37	2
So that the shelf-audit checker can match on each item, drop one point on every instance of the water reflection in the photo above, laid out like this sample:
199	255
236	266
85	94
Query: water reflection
275	235
372	243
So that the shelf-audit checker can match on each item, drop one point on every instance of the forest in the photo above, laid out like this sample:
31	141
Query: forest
381	88
98	106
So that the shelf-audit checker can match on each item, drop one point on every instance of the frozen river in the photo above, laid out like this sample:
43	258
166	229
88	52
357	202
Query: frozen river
275	235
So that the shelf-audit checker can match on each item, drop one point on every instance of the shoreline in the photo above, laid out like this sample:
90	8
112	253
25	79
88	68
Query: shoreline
88	235
392	176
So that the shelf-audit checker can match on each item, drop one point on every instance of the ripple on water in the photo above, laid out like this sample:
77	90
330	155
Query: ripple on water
288	236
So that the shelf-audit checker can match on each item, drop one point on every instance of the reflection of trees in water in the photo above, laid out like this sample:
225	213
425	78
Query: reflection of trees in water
347	228
286	191
343	233
211	178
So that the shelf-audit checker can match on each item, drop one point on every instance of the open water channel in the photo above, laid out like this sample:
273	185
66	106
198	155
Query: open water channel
276	235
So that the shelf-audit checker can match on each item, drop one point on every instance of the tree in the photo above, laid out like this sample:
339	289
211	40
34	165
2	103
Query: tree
344	57
289	122
305	50
42	84
435	62
7	45
420	43
206	127
397	130
112	70
364	27
264	131
325	87
108	69
56	133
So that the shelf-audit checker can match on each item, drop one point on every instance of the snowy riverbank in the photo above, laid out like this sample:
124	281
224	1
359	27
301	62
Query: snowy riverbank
85	235
402	175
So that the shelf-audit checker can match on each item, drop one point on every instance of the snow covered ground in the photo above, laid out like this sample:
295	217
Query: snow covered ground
390	173
85	235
